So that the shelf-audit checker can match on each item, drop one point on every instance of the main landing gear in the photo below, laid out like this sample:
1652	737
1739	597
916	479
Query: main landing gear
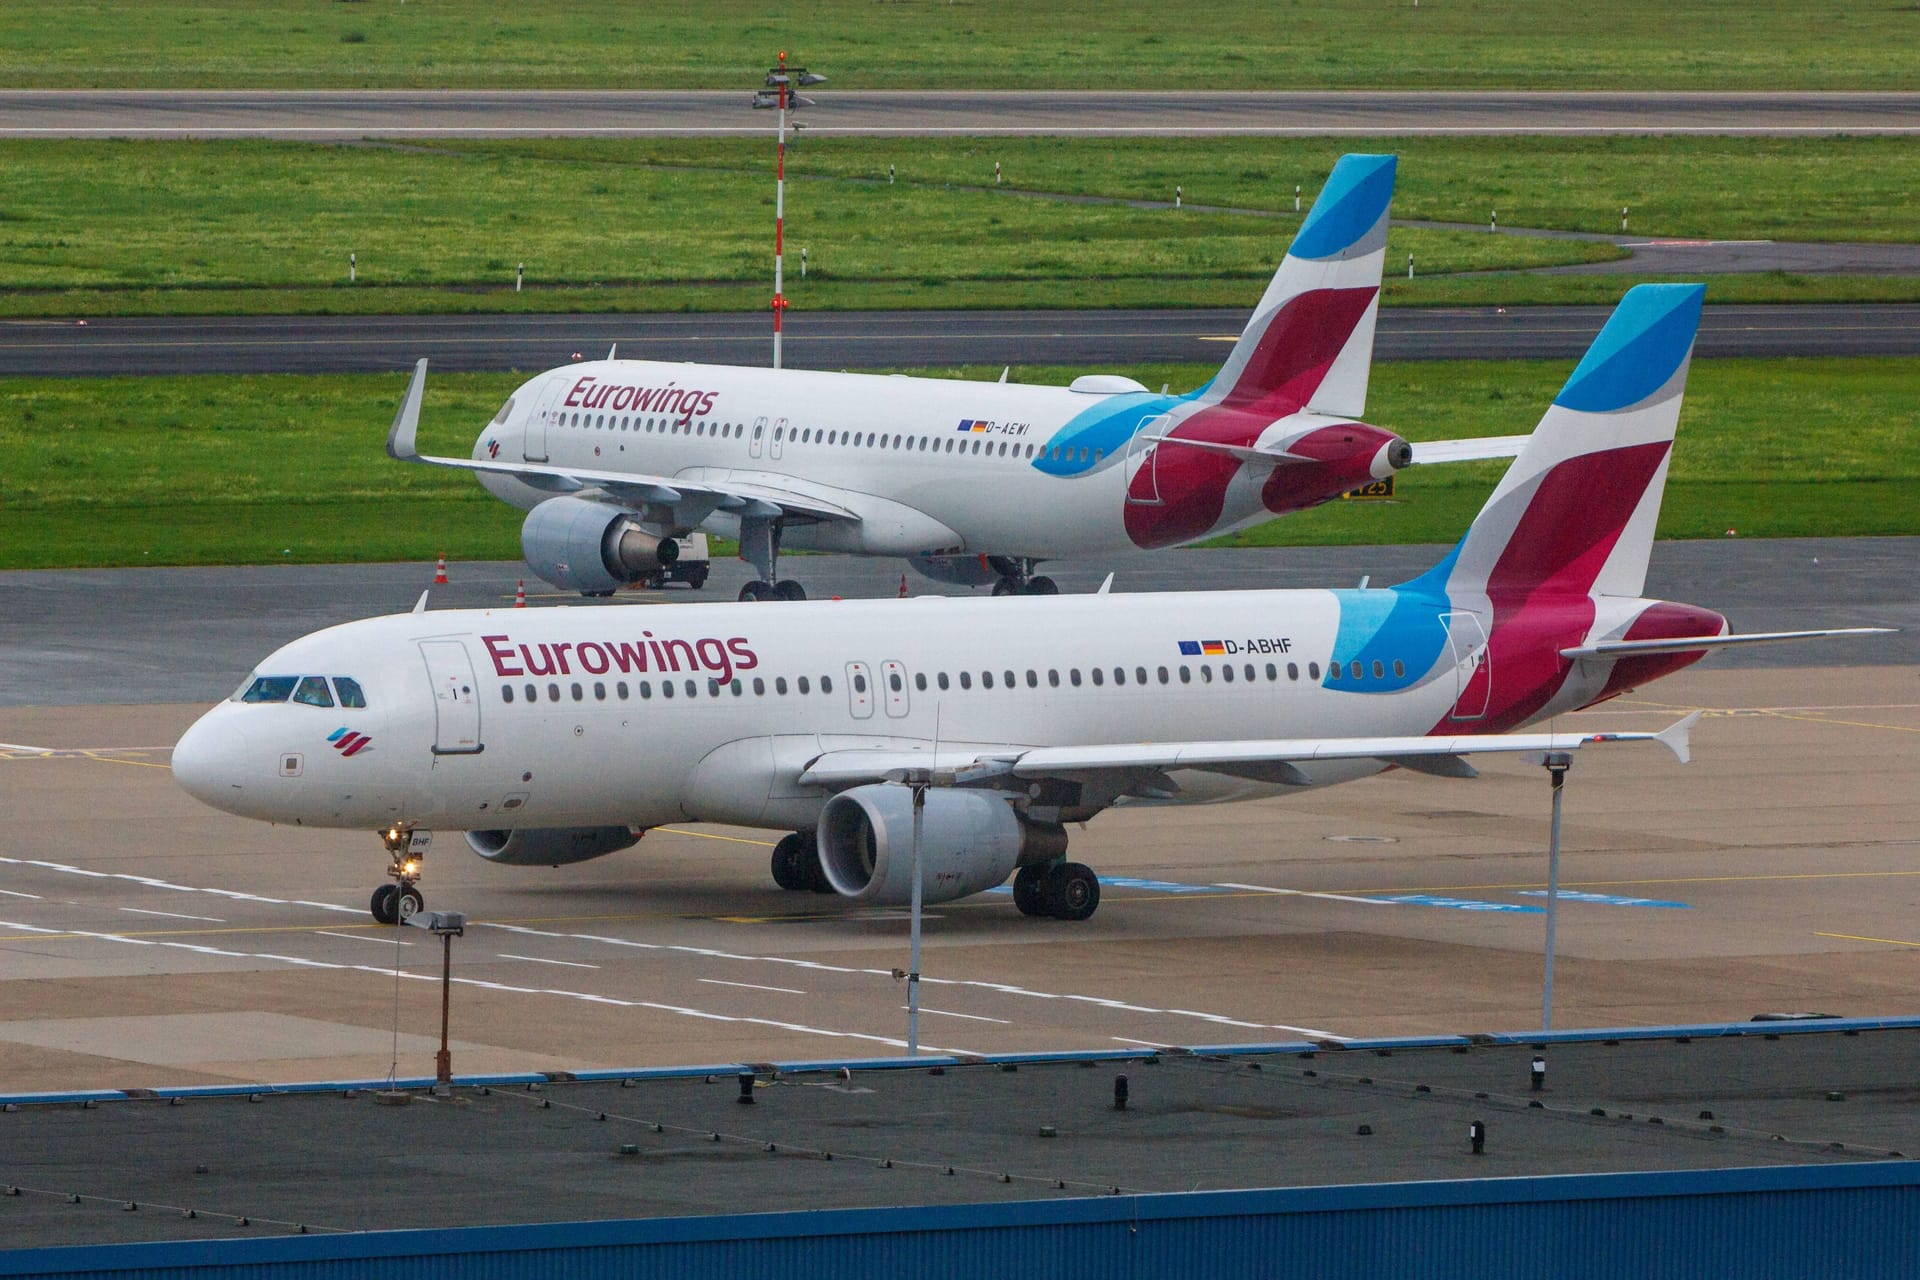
796	865
400	901
1065	891
1017	578
760	547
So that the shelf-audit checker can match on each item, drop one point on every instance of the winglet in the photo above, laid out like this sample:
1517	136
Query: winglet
406	423
1675	737
1106	586
420	605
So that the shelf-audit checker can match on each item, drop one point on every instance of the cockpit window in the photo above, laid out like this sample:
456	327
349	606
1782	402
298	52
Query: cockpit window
270	689
349	691
506	411
312	692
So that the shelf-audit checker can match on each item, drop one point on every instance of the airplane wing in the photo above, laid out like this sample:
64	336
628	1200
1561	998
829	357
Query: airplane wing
1466	450
756	498
1141	767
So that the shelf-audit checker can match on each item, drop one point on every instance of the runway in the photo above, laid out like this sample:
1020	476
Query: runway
874	339
345	114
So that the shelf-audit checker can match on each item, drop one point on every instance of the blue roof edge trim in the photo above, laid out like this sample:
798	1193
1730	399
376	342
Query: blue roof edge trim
1638	349
1355	198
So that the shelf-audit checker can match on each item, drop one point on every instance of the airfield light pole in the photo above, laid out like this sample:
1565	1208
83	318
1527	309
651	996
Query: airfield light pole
447	925
1557	763
919	780
781	81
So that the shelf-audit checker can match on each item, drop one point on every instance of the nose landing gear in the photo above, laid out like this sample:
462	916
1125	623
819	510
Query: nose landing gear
398	902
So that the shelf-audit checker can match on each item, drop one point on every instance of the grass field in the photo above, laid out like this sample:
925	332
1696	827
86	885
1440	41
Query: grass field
239	227
873	44
226	470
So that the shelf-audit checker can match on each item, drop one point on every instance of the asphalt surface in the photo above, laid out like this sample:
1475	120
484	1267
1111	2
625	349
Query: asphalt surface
92	636
879	339
127	1171
62	113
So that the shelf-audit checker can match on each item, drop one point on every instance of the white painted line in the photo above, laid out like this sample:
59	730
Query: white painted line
752	986
16	746
1151	1044
1119	1006
11	894
151	883
361	937
571	964
172	915
970	1017
587	997
1305	893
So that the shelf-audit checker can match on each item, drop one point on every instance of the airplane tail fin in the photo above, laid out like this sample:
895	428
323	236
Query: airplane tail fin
1309	344
1576	510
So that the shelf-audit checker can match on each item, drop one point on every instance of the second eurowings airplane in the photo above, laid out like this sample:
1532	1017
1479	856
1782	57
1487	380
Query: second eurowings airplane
972	482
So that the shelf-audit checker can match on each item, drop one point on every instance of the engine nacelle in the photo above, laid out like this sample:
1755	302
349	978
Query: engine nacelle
549	846
970	841
589	546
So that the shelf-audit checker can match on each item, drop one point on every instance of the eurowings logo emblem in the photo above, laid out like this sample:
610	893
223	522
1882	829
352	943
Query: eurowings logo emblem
349	743
493	448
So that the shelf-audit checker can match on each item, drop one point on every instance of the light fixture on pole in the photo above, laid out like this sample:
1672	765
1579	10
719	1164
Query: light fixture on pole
919	780
1557	763
446	925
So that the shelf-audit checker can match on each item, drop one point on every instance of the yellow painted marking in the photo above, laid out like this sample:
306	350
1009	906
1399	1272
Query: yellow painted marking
1854	937
100	755
708	835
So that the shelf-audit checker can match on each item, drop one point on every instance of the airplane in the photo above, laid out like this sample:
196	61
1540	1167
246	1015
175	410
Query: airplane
973	482
559	735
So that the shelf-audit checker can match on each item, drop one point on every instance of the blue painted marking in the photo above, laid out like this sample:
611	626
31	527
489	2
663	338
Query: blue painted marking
1607	899
1385	626
1349	206
1643	343
1103	428
1458	904
1135	882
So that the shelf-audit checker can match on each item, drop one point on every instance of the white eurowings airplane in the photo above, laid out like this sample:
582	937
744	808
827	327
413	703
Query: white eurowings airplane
557	735
972	482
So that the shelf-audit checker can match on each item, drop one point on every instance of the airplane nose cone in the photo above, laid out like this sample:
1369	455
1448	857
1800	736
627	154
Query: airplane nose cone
210	761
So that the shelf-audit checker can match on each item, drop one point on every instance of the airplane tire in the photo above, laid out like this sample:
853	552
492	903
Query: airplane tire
1042	586
385	905
1005	586
788	871
1030	891
788	589
1073	891
756	590
411	903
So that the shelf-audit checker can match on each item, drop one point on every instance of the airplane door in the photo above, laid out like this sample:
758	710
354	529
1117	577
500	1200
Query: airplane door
1473	665
779	433
534	441
1141	452
456	703
753	440
893	682
860	690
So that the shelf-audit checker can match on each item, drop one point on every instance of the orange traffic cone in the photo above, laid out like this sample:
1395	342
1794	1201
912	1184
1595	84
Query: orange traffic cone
440	573
903	586
520	594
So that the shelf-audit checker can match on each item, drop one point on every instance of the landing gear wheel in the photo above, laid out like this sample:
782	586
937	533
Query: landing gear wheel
788	589
411	903
756	590
1042	586
1005	587
1072	891
385	905
1030	891
816	874
789	871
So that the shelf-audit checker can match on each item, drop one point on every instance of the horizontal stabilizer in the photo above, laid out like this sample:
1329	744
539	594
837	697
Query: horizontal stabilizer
1484	447
1245	453
1689	644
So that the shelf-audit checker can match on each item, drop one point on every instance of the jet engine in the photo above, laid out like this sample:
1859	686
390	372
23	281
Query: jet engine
970	841
550	846
592	547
